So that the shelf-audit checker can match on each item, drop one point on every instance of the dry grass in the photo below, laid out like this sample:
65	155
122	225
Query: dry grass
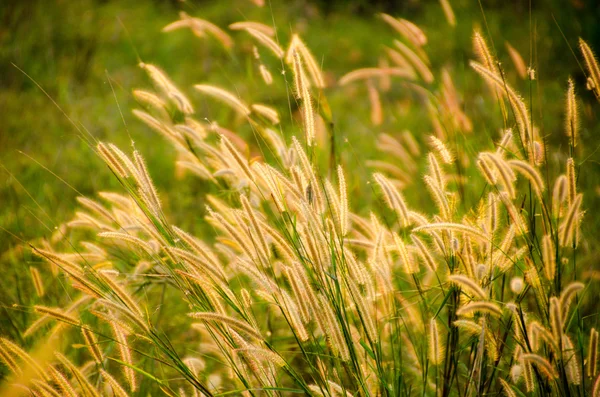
301	290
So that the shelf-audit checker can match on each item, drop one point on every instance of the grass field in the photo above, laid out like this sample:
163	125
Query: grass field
67	74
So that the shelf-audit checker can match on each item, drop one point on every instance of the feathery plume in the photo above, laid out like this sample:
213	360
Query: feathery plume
11	352
125	354
517	60
117	389
448	12
147	189
63	384
229	321
439	197
528	375
521	112
332	329
263	354
290	309
492	212
228	147
267	41
161	80
556	319
9	359
408	264
507	388
513	213
364	312
368	73
592	358
111	160
572	185
572	117
482	307
96	208
261	27
256	229
129	314
126	163
436	345
483	53
548	257
456	227
120	292
65	264
57	314
300	290
415	61
315	73
268	175
158	126
469	326
436	171
198	27
559	194
92	344
309	173
244	243
539	333
117	200
533	278
393	198
407	29
423	252
570	358
441	149
468	284
344	220
198	247
303	92
541	363
505	143
570	223
138	242
150	100
266	76
375	100
86	387
566	298
592	67
268	112
530	173
224	96
507	176
486	170
38	284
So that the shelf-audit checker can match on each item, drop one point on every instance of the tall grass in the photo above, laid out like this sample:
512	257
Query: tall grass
302	289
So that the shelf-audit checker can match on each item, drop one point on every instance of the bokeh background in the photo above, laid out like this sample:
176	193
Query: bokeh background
84	54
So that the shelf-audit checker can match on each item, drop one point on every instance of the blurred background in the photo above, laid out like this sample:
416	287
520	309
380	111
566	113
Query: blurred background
84	55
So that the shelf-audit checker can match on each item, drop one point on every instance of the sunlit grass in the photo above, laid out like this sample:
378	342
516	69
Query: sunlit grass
410	228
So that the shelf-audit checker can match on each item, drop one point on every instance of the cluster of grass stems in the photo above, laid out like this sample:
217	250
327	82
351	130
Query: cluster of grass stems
300	291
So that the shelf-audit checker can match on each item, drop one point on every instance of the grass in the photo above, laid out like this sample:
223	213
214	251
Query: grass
307	293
